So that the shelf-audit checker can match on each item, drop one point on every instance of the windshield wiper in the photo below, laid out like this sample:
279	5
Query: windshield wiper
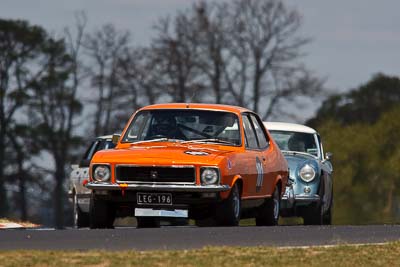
151	140
211	140
164	139
297	152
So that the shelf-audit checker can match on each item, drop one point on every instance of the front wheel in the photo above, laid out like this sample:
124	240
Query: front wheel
81	219
269	212
314	215
147	222
102	214
228	212
327	219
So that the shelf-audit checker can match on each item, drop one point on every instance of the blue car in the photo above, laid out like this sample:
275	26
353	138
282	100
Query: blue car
309	193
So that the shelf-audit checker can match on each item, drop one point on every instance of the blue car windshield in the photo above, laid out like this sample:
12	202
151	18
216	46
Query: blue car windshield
184	125
295	141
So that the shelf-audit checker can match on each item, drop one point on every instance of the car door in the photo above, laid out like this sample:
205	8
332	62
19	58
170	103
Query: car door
267	157
254	159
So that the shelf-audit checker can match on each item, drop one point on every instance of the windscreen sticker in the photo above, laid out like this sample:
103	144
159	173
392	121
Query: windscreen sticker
260	174
229	164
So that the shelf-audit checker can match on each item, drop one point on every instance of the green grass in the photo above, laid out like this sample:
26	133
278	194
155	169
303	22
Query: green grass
344	255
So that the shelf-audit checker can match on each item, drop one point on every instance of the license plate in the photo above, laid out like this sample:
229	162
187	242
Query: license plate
154	199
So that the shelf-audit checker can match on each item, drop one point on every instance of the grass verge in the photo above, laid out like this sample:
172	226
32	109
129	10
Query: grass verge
343	255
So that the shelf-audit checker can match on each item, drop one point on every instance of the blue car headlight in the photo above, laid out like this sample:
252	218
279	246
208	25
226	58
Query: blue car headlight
307	173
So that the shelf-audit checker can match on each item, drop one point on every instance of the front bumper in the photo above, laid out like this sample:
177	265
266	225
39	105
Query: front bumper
300	199
159	187
189	200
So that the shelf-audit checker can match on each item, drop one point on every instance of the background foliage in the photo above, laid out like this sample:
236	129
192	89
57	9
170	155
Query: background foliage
362	129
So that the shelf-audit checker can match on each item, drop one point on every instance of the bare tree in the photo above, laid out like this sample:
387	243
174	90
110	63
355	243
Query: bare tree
53	108
265	41
20	44
138	83
175	52
74	41
245	52
209	23
104	48
21	157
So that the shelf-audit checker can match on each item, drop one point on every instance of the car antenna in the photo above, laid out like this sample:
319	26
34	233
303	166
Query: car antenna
191	98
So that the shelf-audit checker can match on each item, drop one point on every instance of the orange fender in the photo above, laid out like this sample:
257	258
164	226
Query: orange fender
235	179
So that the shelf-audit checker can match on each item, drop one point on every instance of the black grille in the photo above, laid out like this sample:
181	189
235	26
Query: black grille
155	174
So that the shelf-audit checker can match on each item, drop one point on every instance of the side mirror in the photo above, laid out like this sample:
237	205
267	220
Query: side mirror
328	155
115	138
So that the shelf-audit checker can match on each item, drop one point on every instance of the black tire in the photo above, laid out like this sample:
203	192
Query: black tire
313	215
177	221
102	214
209	222
229	210
80	219
147	222
268	214
327	218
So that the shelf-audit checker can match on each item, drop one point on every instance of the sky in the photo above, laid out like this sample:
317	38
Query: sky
351	39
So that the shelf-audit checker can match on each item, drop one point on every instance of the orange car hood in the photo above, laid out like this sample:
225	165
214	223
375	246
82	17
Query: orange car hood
163	154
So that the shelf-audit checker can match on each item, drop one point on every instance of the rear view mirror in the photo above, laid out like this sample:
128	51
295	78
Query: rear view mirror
115	138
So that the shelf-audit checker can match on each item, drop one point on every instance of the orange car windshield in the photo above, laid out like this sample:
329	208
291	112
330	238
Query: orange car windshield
182	125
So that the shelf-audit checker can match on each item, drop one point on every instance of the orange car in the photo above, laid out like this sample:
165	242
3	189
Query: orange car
211	163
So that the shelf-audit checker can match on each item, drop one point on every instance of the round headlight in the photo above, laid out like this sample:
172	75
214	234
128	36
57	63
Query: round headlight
307	173
209	176
101	173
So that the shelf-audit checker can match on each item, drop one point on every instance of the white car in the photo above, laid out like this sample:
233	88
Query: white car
79	195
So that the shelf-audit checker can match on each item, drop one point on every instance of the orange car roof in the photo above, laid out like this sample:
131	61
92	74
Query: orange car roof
220	107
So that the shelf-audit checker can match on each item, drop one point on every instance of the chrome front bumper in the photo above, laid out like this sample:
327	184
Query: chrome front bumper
159	187
303	198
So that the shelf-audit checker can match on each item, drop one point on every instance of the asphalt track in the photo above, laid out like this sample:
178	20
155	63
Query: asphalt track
194	237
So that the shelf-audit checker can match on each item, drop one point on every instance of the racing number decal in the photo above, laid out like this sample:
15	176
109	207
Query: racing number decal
260	174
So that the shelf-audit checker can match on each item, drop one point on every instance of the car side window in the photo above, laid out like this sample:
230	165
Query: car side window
251	139
139	128
321	148
91	150
261	136
104	144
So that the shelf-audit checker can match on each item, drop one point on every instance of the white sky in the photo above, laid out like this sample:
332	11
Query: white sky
351	39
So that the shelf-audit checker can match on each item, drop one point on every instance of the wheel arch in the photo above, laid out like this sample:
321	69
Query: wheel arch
236	179
278	183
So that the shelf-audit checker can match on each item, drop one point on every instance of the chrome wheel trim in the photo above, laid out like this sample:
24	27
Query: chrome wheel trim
236	204
276	205
76	211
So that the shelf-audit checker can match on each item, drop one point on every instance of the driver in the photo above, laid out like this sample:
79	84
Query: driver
166	126
296	143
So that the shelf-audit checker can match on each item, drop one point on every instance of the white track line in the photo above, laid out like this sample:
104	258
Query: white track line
336	245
